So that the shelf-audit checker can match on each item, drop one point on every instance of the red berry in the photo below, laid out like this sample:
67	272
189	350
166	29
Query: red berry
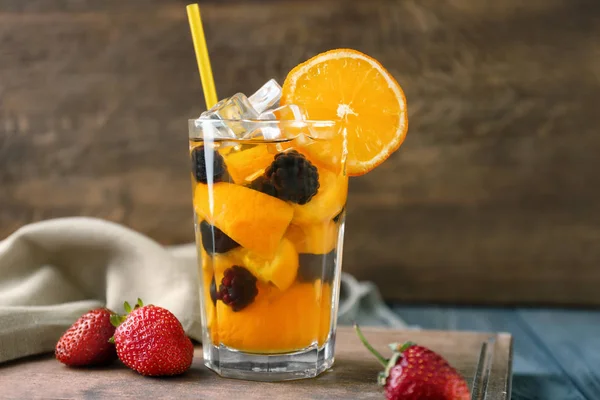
421	374
86	342
152	342
238	288
417	373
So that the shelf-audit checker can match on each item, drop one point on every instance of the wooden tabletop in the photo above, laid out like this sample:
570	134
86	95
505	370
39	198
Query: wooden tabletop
353	375
556	352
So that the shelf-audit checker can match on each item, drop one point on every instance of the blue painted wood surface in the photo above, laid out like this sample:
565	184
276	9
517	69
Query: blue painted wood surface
556	352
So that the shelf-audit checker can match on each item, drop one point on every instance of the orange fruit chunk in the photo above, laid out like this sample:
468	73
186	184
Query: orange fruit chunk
324	153
277	321
253	219
206	276
245	165
316	239
280	270
311	149
327	203
349	86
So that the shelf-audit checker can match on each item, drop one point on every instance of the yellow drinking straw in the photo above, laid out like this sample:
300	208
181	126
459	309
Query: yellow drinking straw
206	76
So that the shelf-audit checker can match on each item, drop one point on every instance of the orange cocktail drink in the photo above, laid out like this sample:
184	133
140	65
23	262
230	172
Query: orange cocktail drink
269	196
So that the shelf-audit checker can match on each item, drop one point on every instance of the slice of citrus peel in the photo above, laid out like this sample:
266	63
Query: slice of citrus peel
349	86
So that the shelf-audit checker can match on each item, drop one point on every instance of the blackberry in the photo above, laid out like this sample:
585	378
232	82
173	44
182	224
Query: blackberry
294	178
238	288
215	240
264	185
317	266
213	291
199	165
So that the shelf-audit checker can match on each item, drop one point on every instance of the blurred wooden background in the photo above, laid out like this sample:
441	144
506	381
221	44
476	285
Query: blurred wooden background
493	198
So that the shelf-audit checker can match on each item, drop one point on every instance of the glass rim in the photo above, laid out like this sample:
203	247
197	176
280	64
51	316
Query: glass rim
319	123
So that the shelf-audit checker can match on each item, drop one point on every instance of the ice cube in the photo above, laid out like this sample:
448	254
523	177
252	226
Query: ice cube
266	97
267	132
289	112
234	109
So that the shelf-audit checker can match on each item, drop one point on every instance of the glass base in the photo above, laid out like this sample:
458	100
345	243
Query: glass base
306	363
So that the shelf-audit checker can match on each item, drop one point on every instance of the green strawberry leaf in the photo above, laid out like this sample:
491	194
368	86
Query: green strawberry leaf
405	346
396	356
382	360
381	378
116	319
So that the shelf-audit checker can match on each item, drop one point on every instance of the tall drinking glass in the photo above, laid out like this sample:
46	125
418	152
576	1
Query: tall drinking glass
269	218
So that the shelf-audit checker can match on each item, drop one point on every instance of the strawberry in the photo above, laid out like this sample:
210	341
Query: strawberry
151	341
86	341
417	373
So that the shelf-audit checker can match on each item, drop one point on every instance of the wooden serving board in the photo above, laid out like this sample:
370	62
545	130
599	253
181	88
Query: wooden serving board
484	359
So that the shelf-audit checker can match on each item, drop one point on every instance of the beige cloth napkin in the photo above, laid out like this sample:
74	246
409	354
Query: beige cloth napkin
52	272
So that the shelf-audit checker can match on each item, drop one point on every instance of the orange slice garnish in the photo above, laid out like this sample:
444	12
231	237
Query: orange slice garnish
347	85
